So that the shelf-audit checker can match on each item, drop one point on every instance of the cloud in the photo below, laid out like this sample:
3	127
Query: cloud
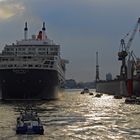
10	8
82	27
13	15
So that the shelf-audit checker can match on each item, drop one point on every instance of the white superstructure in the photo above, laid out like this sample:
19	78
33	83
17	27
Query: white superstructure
39	52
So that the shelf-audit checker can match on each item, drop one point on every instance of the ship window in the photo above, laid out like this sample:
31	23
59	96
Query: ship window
30	65
52	63
47	62
23	49
31	49
4	59
12	59
30	53
7	49
41	49
37	65
55	49
46	66
19	49
24	57
54	53
4	65
41	53
45	42
10	65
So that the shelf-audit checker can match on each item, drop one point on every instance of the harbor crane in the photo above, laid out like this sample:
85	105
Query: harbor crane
97	68
125	50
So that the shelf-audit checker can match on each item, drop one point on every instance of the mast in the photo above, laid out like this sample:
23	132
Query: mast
43	31
97	68
25	31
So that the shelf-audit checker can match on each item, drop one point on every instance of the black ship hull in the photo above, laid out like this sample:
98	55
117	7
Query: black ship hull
29	84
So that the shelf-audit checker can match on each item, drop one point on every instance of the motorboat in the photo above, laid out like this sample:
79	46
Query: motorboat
132	100
98	95
29	123
117	96
90	93
85	90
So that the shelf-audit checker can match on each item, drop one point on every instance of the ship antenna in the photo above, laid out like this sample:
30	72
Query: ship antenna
43	31
25	31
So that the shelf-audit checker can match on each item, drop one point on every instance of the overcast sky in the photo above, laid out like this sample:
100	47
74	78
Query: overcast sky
81	27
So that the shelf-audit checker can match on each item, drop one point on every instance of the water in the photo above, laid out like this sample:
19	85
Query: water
77	116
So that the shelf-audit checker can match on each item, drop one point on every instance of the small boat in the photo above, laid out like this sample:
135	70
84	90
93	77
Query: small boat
85	90
117	96
90	93
98	95
132	100
29	123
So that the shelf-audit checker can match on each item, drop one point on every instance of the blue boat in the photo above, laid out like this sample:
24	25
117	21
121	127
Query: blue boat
29	123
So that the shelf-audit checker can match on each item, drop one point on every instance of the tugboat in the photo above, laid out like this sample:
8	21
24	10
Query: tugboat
29	123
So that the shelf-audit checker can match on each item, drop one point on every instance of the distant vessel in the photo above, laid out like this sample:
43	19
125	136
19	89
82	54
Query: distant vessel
85	90
31	68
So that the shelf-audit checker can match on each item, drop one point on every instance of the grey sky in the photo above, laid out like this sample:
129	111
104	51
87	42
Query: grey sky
81	27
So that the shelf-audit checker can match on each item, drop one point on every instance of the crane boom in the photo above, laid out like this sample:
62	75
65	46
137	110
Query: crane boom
125	50
132	36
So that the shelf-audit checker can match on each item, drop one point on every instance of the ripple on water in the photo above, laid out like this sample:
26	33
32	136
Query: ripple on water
77	117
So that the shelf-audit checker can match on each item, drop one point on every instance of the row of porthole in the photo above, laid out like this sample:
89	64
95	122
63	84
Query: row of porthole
30	65
40	81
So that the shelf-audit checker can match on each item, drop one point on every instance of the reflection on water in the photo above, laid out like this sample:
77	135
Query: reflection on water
77	116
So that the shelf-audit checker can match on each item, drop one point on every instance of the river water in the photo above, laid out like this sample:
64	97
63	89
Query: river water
76	116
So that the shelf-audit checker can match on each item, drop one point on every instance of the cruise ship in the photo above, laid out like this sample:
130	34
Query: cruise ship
31	68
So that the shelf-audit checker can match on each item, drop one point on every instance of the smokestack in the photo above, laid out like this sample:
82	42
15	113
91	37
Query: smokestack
25	31
43	31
